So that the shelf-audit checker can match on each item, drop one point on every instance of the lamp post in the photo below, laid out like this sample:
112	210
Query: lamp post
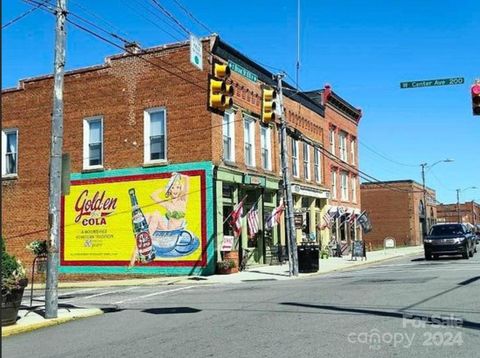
458	201
425	165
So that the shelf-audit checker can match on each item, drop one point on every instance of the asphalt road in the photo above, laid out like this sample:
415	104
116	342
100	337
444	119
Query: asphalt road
402	308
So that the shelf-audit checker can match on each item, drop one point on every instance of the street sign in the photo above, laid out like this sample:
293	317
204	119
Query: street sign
242	71
196	52
431	83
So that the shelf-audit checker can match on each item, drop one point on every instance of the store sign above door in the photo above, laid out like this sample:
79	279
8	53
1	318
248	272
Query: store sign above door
306	191
254	180
242	71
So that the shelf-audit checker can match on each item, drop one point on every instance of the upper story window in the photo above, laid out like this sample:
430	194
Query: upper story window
295	168
306	161
344	186
317	165
352	151
229	137
334	184
249	140
266	146
354	189
93	143
155	135
343	146
332	141
9	152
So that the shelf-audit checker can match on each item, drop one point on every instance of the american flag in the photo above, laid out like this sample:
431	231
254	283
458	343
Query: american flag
328	220
274	217
236	219
252	220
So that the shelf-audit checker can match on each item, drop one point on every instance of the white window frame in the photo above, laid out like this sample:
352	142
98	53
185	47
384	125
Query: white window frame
146	135
334	184
344	186
342	139
249	139
266	145
229	132
5	132
354	189
317	165
352	151
86	142
332	141
306	161
295	164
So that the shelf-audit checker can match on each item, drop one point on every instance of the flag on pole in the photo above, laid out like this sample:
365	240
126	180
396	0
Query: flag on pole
352	217
236	219
274	217
364	222
252	220
327	220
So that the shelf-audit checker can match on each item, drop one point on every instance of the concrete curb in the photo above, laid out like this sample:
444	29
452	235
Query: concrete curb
22	328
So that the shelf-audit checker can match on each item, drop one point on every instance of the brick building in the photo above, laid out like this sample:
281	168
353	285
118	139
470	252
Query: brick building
468	212
397	209
144	125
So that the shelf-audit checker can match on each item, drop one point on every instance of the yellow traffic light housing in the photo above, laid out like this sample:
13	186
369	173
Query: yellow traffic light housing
269	105
220	92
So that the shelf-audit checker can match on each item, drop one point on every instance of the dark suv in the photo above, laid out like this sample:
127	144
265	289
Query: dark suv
449	239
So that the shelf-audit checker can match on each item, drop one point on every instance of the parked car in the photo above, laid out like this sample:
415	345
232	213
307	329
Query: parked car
449	239
477	232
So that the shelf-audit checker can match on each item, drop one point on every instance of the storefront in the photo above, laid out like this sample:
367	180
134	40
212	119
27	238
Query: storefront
257	192
344	228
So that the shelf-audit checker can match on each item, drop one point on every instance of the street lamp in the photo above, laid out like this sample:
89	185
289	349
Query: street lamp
425	165
458	201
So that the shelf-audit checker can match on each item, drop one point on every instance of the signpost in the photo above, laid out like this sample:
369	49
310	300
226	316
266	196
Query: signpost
196	52
432	83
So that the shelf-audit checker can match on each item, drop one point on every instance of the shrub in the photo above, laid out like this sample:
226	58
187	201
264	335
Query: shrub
13	272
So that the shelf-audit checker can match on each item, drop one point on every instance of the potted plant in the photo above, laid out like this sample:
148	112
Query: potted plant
39	249
324	254
14	281
226	267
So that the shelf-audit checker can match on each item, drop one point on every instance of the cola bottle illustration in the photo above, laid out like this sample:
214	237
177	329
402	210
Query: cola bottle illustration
145	251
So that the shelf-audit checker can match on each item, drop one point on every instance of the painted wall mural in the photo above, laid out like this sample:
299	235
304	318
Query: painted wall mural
137	223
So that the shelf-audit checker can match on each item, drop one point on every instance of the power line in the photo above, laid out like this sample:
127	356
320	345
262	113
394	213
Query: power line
21	16
173	18
192	16
385	157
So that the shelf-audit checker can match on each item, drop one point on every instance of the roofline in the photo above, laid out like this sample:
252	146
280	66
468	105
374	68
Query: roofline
222	49
404	181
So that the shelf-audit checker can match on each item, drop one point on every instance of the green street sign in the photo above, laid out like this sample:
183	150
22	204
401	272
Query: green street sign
431	83
242	71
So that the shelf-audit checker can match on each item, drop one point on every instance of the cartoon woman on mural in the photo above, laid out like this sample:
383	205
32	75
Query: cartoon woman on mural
175	204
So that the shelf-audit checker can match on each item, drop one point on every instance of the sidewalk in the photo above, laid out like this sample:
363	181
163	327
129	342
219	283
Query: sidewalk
32	320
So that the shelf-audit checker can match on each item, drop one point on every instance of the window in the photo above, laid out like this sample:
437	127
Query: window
344	186
294	157
334	184
9	152
354	189
318	165
155	135
266	145
306	161
332	141
229	137
343	146
352	151
93	143
249	140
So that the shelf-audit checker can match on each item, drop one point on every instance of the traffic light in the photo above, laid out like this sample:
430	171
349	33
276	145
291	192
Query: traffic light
476	99
220	92
269	105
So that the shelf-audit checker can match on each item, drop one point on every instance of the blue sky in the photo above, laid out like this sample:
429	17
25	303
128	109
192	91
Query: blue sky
364	49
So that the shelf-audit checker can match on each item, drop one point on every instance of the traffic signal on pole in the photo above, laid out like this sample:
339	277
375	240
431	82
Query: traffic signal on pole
220	92
476	99
269	104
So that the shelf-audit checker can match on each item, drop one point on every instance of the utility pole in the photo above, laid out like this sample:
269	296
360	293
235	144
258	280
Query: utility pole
425	225
292	244
458	205
51	288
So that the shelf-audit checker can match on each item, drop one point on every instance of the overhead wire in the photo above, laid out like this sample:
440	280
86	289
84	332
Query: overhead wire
22	15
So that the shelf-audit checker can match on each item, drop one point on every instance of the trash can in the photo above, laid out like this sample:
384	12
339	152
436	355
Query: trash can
308	257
